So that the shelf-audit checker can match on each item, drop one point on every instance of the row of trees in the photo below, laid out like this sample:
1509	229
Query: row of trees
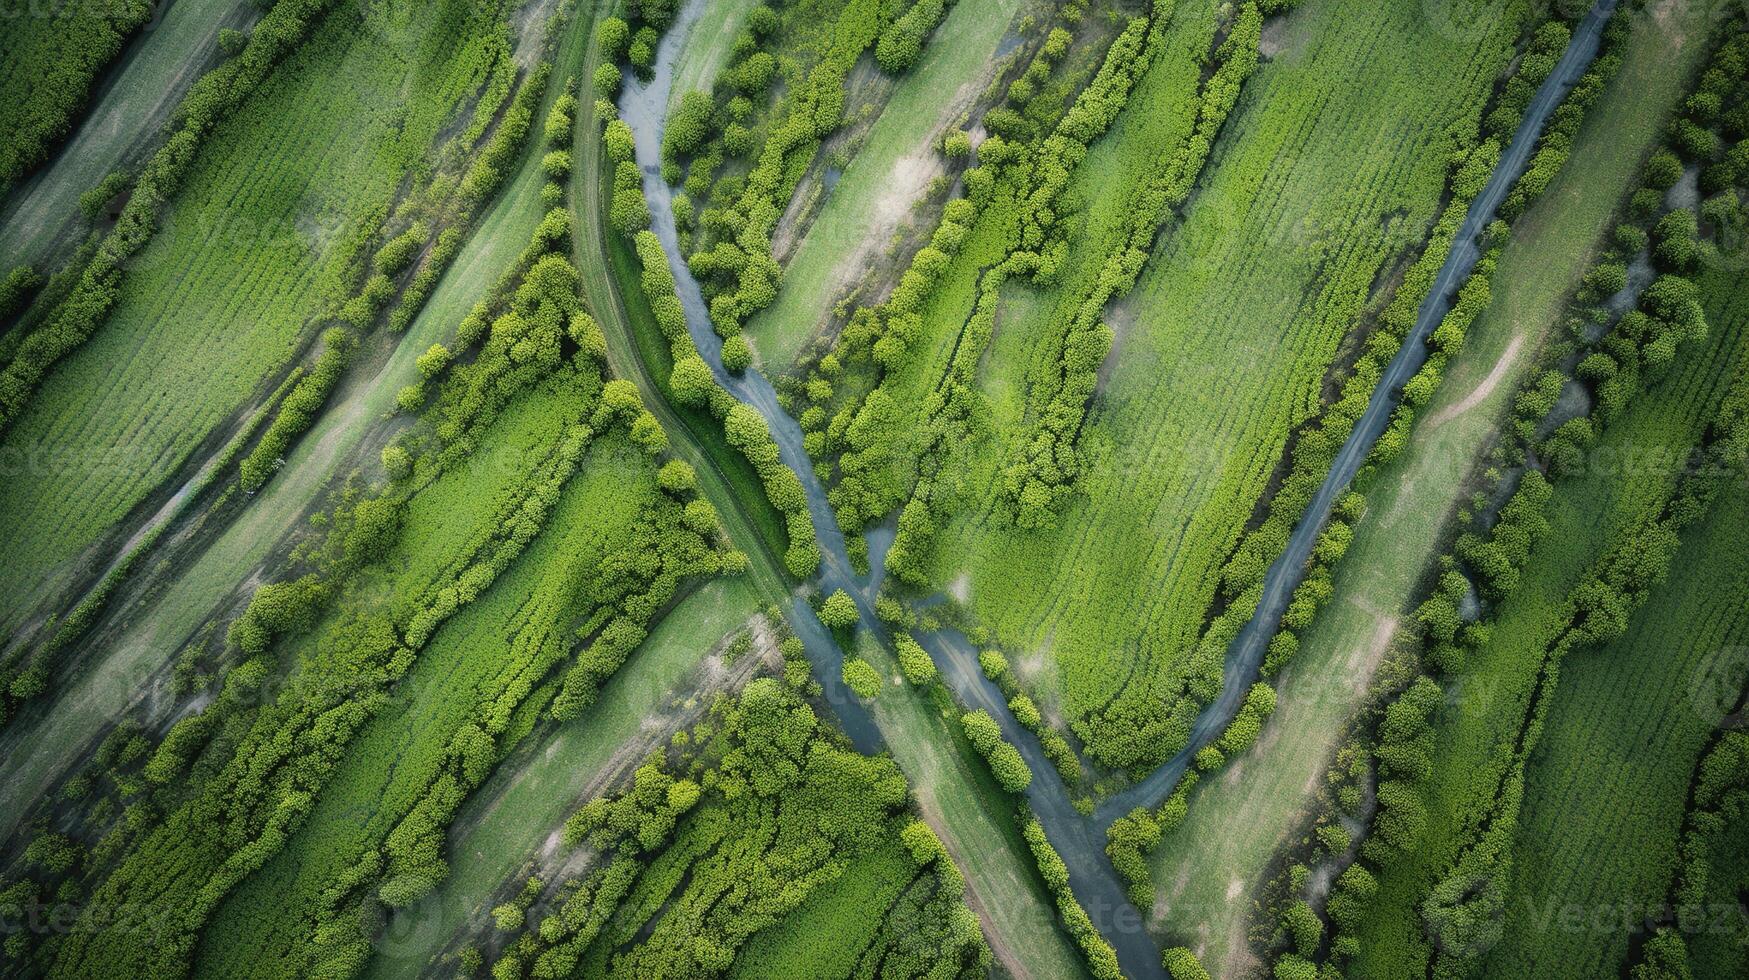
1101	958
1020	704
1045	467
1022	182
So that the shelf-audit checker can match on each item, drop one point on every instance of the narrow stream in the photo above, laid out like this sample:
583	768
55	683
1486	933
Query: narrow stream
1077	838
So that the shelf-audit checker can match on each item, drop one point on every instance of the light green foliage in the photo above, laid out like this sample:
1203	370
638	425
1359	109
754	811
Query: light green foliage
1005	761
786	839
839	612
861	678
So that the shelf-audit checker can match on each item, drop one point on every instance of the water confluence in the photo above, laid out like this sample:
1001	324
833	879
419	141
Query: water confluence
1078	838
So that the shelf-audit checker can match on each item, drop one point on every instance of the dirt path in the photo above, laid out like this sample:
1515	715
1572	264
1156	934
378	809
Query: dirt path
1483	390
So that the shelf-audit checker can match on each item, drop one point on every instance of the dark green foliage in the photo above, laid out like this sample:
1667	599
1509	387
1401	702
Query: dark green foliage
54	57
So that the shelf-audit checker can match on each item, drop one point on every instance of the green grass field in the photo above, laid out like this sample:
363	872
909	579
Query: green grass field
882	182
1313	189
258	245
1627	728
1237	821
1589	514
489	653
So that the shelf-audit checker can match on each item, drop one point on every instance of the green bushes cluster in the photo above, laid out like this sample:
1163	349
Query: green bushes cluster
901	42
914	661
1128	842
738	272
52	59
16	291
773	810
1181	964
1009	768
861	678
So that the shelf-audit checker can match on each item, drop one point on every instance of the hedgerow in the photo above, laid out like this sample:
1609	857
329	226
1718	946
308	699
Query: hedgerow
1101	958
297	411
1055	746
1006	764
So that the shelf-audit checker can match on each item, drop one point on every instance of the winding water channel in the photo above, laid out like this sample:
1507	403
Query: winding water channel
1078	839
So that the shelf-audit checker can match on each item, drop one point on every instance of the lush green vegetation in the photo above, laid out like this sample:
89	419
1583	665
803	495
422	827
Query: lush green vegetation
49	59
895	159
1574	593
749	842
206	299
1200	301
1237	824
372	506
